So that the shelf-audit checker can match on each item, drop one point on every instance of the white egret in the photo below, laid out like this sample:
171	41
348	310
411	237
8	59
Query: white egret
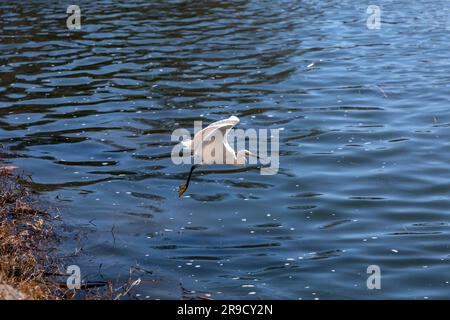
214	140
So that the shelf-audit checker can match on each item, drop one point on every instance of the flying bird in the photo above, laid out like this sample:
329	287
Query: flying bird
213	139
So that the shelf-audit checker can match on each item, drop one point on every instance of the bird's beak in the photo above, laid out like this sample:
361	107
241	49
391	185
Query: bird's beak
258	157
254	155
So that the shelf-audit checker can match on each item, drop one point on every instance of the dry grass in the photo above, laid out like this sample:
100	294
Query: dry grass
26	239
29	267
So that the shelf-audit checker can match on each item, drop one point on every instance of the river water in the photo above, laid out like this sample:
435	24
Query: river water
364	146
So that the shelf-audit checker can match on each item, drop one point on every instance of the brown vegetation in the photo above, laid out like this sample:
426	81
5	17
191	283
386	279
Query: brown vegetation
26	239
29	266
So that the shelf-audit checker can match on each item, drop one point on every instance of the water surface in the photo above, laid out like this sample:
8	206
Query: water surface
363	177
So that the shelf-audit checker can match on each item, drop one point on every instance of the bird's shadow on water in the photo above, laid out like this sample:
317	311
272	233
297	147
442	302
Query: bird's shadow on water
205	172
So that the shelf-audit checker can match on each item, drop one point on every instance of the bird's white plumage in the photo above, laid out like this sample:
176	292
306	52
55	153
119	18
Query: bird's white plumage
213	139
211	146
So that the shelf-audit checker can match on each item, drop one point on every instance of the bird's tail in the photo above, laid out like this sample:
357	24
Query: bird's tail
187	144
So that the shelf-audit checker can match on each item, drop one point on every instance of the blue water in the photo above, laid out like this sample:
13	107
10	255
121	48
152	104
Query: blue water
364	151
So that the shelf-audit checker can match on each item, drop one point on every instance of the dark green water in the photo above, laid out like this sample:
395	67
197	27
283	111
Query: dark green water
364	163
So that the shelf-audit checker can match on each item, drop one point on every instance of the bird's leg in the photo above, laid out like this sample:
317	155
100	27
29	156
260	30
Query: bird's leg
182	189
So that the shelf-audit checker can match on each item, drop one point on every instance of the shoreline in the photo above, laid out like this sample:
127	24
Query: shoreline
30	236
27	243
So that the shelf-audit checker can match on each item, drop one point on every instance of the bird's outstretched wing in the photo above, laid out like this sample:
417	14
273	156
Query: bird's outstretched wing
223	125
213	137
205	135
